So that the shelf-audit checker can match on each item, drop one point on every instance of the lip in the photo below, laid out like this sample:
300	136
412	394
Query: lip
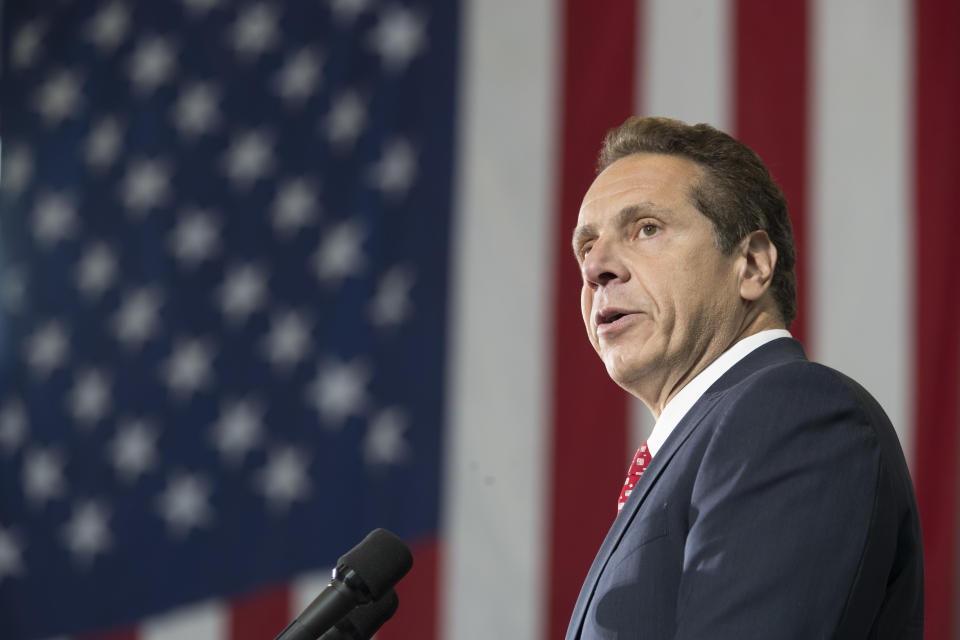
608	328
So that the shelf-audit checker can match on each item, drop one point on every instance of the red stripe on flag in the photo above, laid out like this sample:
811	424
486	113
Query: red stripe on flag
418	594
590	437
116	634
259	615
937	318
771	107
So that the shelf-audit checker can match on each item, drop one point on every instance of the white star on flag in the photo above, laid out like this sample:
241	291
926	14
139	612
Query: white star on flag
42	476
346	11
294	207
299	77
238	429
391	303
12	288
197	110
146	186
59	97
109	26
255	31
47	348
13	425
103	143
54	219
339	390
396	169
133	450
90	398
195	238
284	478
345	120
384	443
17	169
189	367
340	253
138	318
249	158
398	37
243	291
289	340
152	64
185	503
11	554
86	534
96	270
198	8
26	44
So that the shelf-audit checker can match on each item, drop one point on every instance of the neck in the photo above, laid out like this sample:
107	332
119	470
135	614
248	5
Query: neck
673	381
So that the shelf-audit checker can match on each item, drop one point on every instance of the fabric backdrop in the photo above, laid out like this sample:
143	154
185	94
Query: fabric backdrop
276	273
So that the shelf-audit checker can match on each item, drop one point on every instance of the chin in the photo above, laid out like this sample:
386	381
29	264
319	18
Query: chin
625	372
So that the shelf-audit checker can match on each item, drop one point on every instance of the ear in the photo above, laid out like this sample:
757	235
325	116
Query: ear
760	258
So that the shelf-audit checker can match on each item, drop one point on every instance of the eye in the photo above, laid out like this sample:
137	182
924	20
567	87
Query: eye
649	230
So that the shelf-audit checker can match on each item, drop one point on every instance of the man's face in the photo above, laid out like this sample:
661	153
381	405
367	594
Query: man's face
658	296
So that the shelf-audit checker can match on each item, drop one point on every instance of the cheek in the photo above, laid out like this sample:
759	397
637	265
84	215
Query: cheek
703	297
586	305
586	312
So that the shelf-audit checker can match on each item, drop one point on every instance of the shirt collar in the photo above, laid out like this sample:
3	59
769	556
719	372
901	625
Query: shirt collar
681	403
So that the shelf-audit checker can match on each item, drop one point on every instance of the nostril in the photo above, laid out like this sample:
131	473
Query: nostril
605	277
598	279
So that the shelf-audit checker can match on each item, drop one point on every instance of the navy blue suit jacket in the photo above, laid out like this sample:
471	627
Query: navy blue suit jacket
779	507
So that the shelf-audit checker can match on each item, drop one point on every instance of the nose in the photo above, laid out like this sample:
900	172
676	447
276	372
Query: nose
602	264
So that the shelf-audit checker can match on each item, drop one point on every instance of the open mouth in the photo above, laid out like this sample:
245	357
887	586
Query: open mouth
613	317
608	319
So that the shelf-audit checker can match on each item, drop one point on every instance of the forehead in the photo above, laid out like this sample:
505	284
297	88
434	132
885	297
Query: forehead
662	181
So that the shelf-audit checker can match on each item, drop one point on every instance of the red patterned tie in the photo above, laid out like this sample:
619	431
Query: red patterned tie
637	467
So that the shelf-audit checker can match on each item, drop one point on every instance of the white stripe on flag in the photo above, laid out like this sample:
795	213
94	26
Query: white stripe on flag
686	71
495	497
860	211
685	59
204	621
639	419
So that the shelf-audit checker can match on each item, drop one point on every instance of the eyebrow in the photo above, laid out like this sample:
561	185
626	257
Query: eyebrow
624	217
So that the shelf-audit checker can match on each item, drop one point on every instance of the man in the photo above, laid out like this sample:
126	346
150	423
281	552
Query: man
772	499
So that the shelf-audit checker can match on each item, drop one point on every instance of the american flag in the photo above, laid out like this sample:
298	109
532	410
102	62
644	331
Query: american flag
276	273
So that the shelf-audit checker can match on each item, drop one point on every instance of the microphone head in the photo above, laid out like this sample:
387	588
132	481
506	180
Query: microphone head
380	560
364	621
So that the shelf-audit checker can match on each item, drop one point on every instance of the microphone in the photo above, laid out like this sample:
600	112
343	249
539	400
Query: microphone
363	574
363	622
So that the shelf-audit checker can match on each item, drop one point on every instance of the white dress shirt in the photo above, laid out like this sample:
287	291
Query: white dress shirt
687	397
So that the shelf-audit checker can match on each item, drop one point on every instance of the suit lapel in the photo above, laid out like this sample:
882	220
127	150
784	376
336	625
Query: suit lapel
777	350
630	508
